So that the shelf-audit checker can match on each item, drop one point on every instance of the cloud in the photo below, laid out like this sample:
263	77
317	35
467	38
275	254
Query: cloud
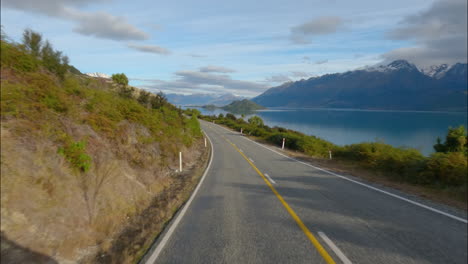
106	26
219	69
150	49
279	78
321	62
439	34
193	55
96	24
300	74
315	27
205	82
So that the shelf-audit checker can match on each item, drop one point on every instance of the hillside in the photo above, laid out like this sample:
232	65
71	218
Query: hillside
242	106
88	167
397	86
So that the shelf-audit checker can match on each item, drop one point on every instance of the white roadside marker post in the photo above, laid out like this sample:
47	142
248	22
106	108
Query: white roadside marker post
282	146
330	154
180	161
241	130
205	141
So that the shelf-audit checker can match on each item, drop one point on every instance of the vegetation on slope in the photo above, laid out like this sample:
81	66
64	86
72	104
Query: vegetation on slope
82	157
446	169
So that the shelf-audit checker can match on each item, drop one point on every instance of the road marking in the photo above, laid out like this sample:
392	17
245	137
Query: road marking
365	185
328	259
335	249
249	158
154	256
268	177
241	150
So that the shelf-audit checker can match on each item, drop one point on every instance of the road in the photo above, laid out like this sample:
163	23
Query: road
257	206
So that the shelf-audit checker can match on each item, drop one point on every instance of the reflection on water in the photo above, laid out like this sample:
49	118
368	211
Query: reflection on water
410	129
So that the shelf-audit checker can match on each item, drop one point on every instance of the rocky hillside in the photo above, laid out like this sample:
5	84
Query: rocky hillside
88	170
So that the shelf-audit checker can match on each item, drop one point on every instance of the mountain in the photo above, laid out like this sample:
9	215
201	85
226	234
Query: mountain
242	106
202	99
98	75
397	86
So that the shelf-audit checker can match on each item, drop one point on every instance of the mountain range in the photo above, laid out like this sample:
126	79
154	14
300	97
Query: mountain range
98	75
203	99
399	85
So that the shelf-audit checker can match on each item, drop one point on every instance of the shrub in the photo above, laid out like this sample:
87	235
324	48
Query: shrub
120	78
455	141
446	168
256	121
75	154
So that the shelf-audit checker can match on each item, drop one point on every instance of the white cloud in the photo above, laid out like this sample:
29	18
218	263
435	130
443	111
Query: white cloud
205	82
321	62
150	49
439	34
219	69
320	26
97	24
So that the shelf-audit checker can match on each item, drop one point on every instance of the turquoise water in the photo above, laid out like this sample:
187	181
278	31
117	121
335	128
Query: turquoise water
343	126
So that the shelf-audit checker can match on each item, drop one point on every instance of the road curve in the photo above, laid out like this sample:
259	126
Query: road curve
256	206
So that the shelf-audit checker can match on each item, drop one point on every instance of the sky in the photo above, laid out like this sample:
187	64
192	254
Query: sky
242	47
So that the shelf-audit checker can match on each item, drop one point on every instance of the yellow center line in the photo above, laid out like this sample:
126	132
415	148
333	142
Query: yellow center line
296	218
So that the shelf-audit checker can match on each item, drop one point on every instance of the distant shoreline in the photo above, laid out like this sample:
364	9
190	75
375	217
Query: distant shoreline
343	109
360	110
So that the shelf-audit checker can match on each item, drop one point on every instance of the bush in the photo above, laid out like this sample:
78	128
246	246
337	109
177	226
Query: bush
75	154
120	78
446	168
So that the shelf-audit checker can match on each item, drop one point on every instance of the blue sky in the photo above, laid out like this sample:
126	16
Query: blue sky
242	47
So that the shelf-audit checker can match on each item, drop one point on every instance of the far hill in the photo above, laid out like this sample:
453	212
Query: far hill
396	86
242	106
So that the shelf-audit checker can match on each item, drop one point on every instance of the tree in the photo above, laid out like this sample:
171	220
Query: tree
158	100
144	97
256	121
231	116
455	141
120	78
32	41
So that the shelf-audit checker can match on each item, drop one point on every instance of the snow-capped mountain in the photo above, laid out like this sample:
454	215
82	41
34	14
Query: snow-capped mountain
436	71
399	85
98	75
394	66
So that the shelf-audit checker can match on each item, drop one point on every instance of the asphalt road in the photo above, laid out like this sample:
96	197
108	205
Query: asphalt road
236	216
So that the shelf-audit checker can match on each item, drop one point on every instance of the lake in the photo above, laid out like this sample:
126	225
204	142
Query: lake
346	126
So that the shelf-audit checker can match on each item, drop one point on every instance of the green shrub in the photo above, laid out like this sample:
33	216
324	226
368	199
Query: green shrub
120	78
446	168
75	154
16	57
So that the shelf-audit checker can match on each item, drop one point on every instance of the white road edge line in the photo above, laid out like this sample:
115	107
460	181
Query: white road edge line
270	179
335	249
154	256
365	185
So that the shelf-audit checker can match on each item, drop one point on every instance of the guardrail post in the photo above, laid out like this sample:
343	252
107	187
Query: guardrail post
180	161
